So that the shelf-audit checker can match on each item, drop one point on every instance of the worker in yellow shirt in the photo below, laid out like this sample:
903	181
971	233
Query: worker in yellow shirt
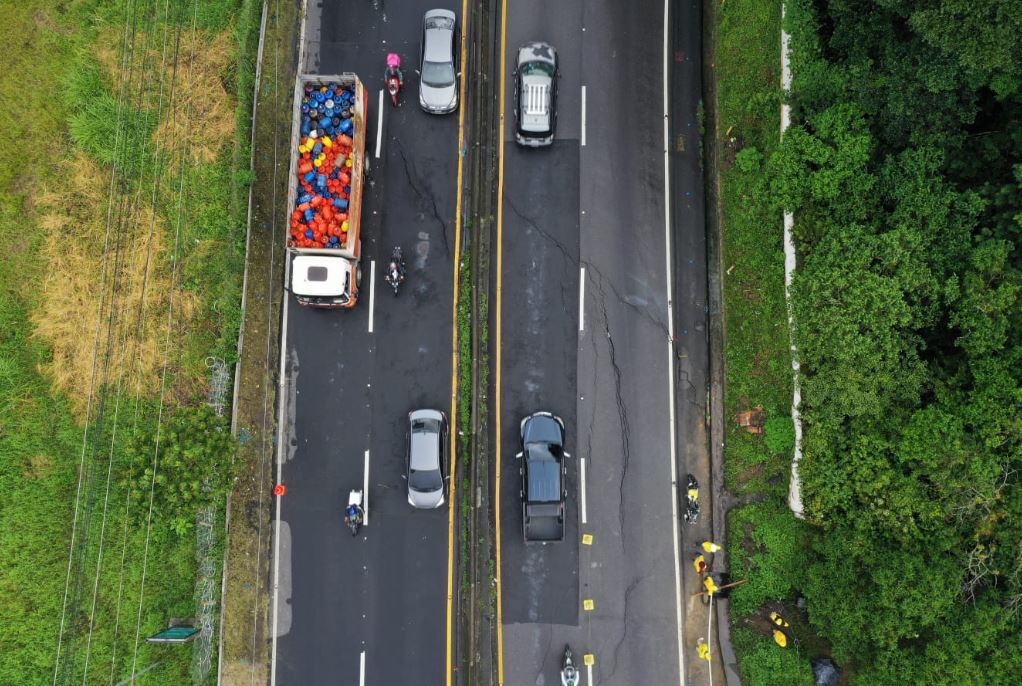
703	650
700	564
711	547
710	585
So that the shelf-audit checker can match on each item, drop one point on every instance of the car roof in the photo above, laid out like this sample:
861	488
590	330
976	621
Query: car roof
424	445
425	451
544	481
439	40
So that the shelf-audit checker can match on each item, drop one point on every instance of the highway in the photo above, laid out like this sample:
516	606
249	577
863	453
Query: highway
371	609
599	316
585	330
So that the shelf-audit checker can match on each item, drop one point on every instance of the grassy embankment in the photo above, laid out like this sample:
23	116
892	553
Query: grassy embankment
88	341
764	538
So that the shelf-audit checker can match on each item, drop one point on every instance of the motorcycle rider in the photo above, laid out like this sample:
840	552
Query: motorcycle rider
394	70
569	675
395	269
353	513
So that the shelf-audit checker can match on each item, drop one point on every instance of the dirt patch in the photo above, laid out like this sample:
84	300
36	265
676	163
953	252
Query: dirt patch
247	617
38	466
752	473
109	249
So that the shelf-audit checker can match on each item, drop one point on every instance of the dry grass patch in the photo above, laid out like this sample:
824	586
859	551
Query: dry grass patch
200	119
131	280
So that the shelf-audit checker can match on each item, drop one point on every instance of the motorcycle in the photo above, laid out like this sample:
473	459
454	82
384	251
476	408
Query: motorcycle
354	515
395	275
569	674
393	76
692	500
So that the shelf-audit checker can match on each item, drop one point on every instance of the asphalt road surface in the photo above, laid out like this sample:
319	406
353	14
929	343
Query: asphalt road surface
374	606
598	205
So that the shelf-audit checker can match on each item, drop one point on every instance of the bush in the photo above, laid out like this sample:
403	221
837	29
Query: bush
779	433
773	557
191	456
764	663
749	159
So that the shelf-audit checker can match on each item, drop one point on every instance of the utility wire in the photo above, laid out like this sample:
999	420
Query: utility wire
265	451
126	47
124	229
167	345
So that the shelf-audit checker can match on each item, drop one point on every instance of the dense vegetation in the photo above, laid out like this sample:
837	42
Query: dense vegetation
120	208
904	169
905	175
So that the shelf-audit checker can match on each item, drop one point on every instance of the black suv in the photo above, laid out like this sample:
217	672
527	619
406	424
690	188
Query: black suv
543	475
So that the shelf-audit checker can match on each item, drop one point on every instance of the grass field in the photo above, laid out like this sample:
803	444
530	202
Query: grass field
764	538
122	220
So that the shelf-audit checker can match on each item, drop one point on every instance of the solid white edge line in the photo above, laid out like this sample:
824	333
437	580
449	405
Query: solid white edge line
589	673
583	138
372	293
582	483
581	298
709	633
365	491
362	669
281	400
379	126
670	356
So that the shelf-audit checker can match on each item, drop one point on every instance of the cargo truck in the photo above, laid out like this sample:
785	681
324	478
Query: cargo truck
326	177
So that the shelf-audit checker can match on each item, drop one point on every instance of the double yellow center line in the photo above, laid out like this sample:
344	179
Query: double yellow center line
454	341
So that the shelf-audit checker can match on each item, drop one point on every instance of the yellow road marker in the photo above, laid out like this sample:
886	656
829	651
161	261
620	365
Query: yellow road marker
497	347
587	539
588	604
589	659
454	358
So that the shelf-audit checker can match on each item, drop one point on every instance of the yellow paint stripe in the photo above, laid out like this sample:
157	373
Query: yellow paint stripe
500	278
451	509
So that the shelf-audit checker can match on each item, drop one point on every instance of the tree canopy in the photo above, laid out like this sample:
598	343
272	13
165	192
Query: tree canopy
904	170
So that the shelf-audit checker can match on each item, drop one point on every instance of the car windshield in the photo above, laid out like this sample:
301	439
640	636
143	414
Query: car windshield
438	74
537	68
425	481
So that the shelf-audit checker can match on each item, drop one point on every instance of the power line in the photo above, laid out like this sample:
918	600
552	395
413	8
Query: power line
124	346
126	47
167	344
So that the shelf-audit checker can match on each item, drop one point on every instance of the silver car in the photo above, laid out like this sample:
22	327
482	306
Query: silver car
535	94
427	445
438	78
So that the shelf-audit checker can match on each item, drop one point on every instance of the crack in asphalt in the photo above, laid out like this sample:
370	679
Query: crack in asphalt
624	623
643	311
694	397
424	195
568	258
621	410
